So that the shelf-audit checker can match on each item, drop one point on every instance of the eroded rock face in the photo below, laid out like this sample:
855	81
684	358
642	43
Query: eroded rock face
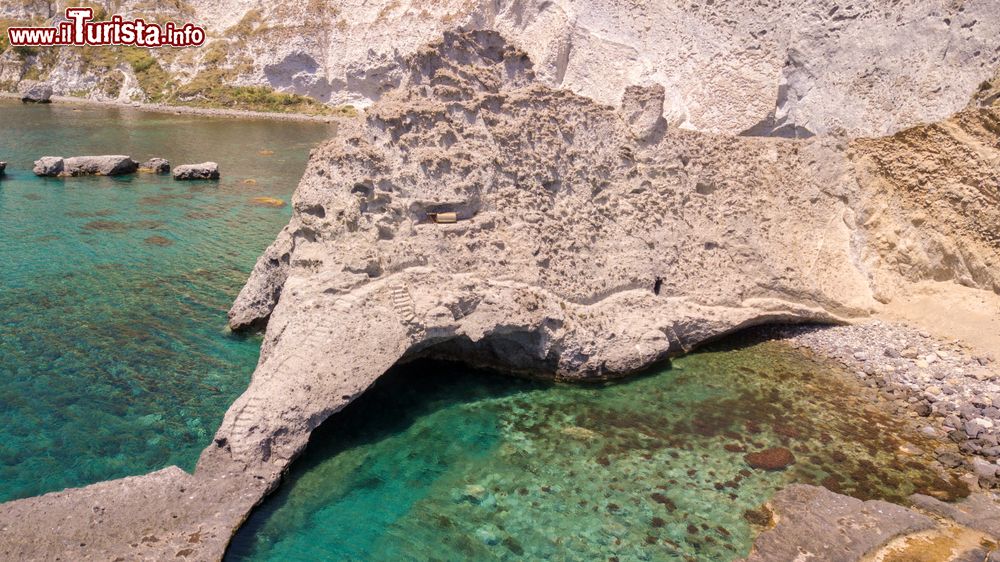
584	247
155	166
582	242
793	68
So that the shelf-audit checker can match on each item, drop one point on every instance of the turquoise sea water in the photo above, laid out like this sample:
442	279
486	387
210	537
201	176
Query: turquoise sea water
114	359
440	463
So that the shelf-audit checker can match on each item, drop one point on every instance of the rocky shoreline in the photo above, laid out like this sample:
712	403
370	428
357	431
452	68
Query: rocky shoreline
951	390
187	110
582	243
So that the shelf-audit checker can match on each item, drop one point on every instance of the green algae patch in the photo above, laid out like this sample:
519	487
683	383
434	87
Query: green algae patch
440	462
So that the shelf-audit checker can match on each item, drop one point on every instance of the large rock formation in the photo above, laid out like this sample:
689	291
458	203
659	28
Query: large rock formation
581	242
791	68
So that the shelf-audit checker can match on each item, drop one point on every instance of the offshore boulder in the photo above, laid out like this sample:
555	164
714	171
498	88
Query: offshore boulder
155	166
203	171
114	165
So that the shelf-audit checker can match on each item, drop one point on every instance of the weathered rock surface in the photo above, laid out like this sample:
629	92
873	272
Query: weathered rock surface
203	171
816	524
791	68
35	92
166	515
979	511
155	166
587	243
116	165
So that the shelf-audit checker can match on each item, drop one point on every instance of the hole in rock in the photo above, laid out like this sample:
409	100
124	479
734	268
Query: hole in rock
314	210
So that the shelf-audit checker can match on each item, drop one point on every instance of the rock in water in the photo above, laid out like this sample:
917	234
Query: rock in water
3	168
35	92
85	166
775	458
203	171
49	166
155	166
115	165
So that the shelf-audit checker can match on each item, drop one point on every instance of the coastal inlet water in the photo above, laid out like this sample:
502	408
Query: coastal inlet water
114	358
440	463
115	361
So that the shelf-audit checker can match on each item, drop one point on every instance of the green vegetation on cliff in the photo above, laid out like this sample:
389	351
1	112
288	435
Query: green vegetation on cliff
222	63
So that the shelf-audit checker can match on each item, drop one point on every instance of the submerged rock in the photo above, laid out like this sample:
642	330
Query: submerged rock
203	171
155	166
35	92
775	458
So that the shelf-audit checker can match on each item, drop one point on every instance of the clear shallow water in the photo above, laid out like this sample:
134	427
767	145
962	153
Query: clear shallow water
440	463
114	361
114	358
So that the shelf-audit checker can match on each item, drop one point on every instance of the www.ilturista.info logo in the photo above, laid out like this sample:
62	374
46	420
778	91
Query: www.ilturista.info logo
79	29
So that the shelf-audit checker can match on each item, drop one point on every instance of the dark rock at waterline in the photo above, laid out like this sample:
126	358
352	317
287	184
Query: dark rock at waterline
107	165
775	458
155	166
203	171
3	168
35	92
